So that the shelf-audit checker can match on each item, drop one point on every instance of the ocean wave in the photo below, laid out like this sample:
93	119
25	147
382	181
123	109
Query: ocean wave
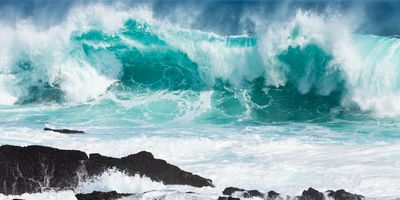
309	64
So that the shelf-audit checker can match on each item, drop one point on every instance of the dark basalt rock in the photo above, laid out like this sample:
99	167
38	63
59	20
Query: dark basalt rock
253	193
64	131
343	195
37	168
230	190
311	194
272	195
144	163
244	193
228	198
34	168
113	195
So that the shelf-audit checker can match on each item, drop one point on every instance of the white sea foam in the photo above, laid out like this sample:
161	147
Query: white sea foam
49	54
51	195
369	64
114	180
243	159
284	158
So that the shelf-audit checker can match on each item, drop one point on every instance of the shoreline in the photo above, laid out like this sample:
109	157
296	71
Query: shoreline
61	170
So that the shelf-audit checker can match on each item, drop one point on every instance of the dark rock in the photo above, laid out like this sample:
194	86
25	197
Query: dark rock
101	196
253	193
34	168
228	198
144	164
230	190
65	131
37	168
343	195
272	195
311	194
244	193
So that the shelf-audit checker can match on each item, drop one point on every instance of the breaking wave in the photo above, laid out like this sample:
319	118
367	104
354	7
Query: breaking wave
307	67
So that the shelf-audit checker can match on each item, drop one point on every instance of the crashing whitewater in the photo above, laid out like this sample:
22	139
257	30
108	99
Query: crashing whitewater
97	52
305	101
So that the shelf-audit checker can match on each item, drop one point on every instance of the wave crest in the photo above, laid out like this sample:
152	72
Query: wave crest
304	65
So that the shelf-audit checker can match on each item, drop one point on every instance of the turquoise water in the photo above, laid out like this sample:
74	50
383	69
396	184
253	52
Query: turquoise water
154	81
303	102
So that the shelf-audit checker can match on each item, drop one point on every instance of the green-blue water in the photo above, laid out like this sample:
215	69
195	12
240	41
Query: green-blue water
261	101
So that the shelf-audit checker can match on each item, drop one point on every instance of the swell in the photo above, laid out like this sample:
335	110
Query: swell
301	69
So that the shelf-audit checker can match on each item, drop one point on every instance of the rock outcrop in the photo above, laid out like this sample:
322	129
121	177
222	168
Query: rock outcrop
145	164
64	131
343	195
238	193
242	192
36	168
95	195
309	194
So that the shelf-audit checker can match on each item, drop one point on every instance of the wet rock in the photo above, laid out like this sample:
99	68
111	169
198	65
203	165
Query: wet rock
343	195
145	164
242	192
230	190
37	168
113	195
311	194
64	131
228	198
272	195
253	193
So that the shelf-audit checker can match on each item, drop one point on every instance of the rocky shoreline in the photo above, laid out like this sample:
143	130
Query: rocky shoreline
232	193
35	169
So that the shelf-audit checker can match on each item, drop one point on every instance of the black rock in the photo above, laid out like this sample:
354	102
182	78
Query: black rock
253	193
101	196
243	193
37	168
230	190
343	195
34	168
65	131
272	195
144	164
228	198
311	194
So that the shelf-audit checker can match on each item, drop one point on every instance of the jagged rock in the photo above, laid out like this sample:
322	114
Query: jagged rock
65	131
343	195
311	194
144	163
33	168
36	168
113	195
253	193
242	192
230	190
272	195
228	198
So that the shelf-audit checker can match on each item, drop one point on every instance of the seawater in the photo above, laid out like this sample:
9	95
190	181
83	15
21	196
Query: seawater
305	101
